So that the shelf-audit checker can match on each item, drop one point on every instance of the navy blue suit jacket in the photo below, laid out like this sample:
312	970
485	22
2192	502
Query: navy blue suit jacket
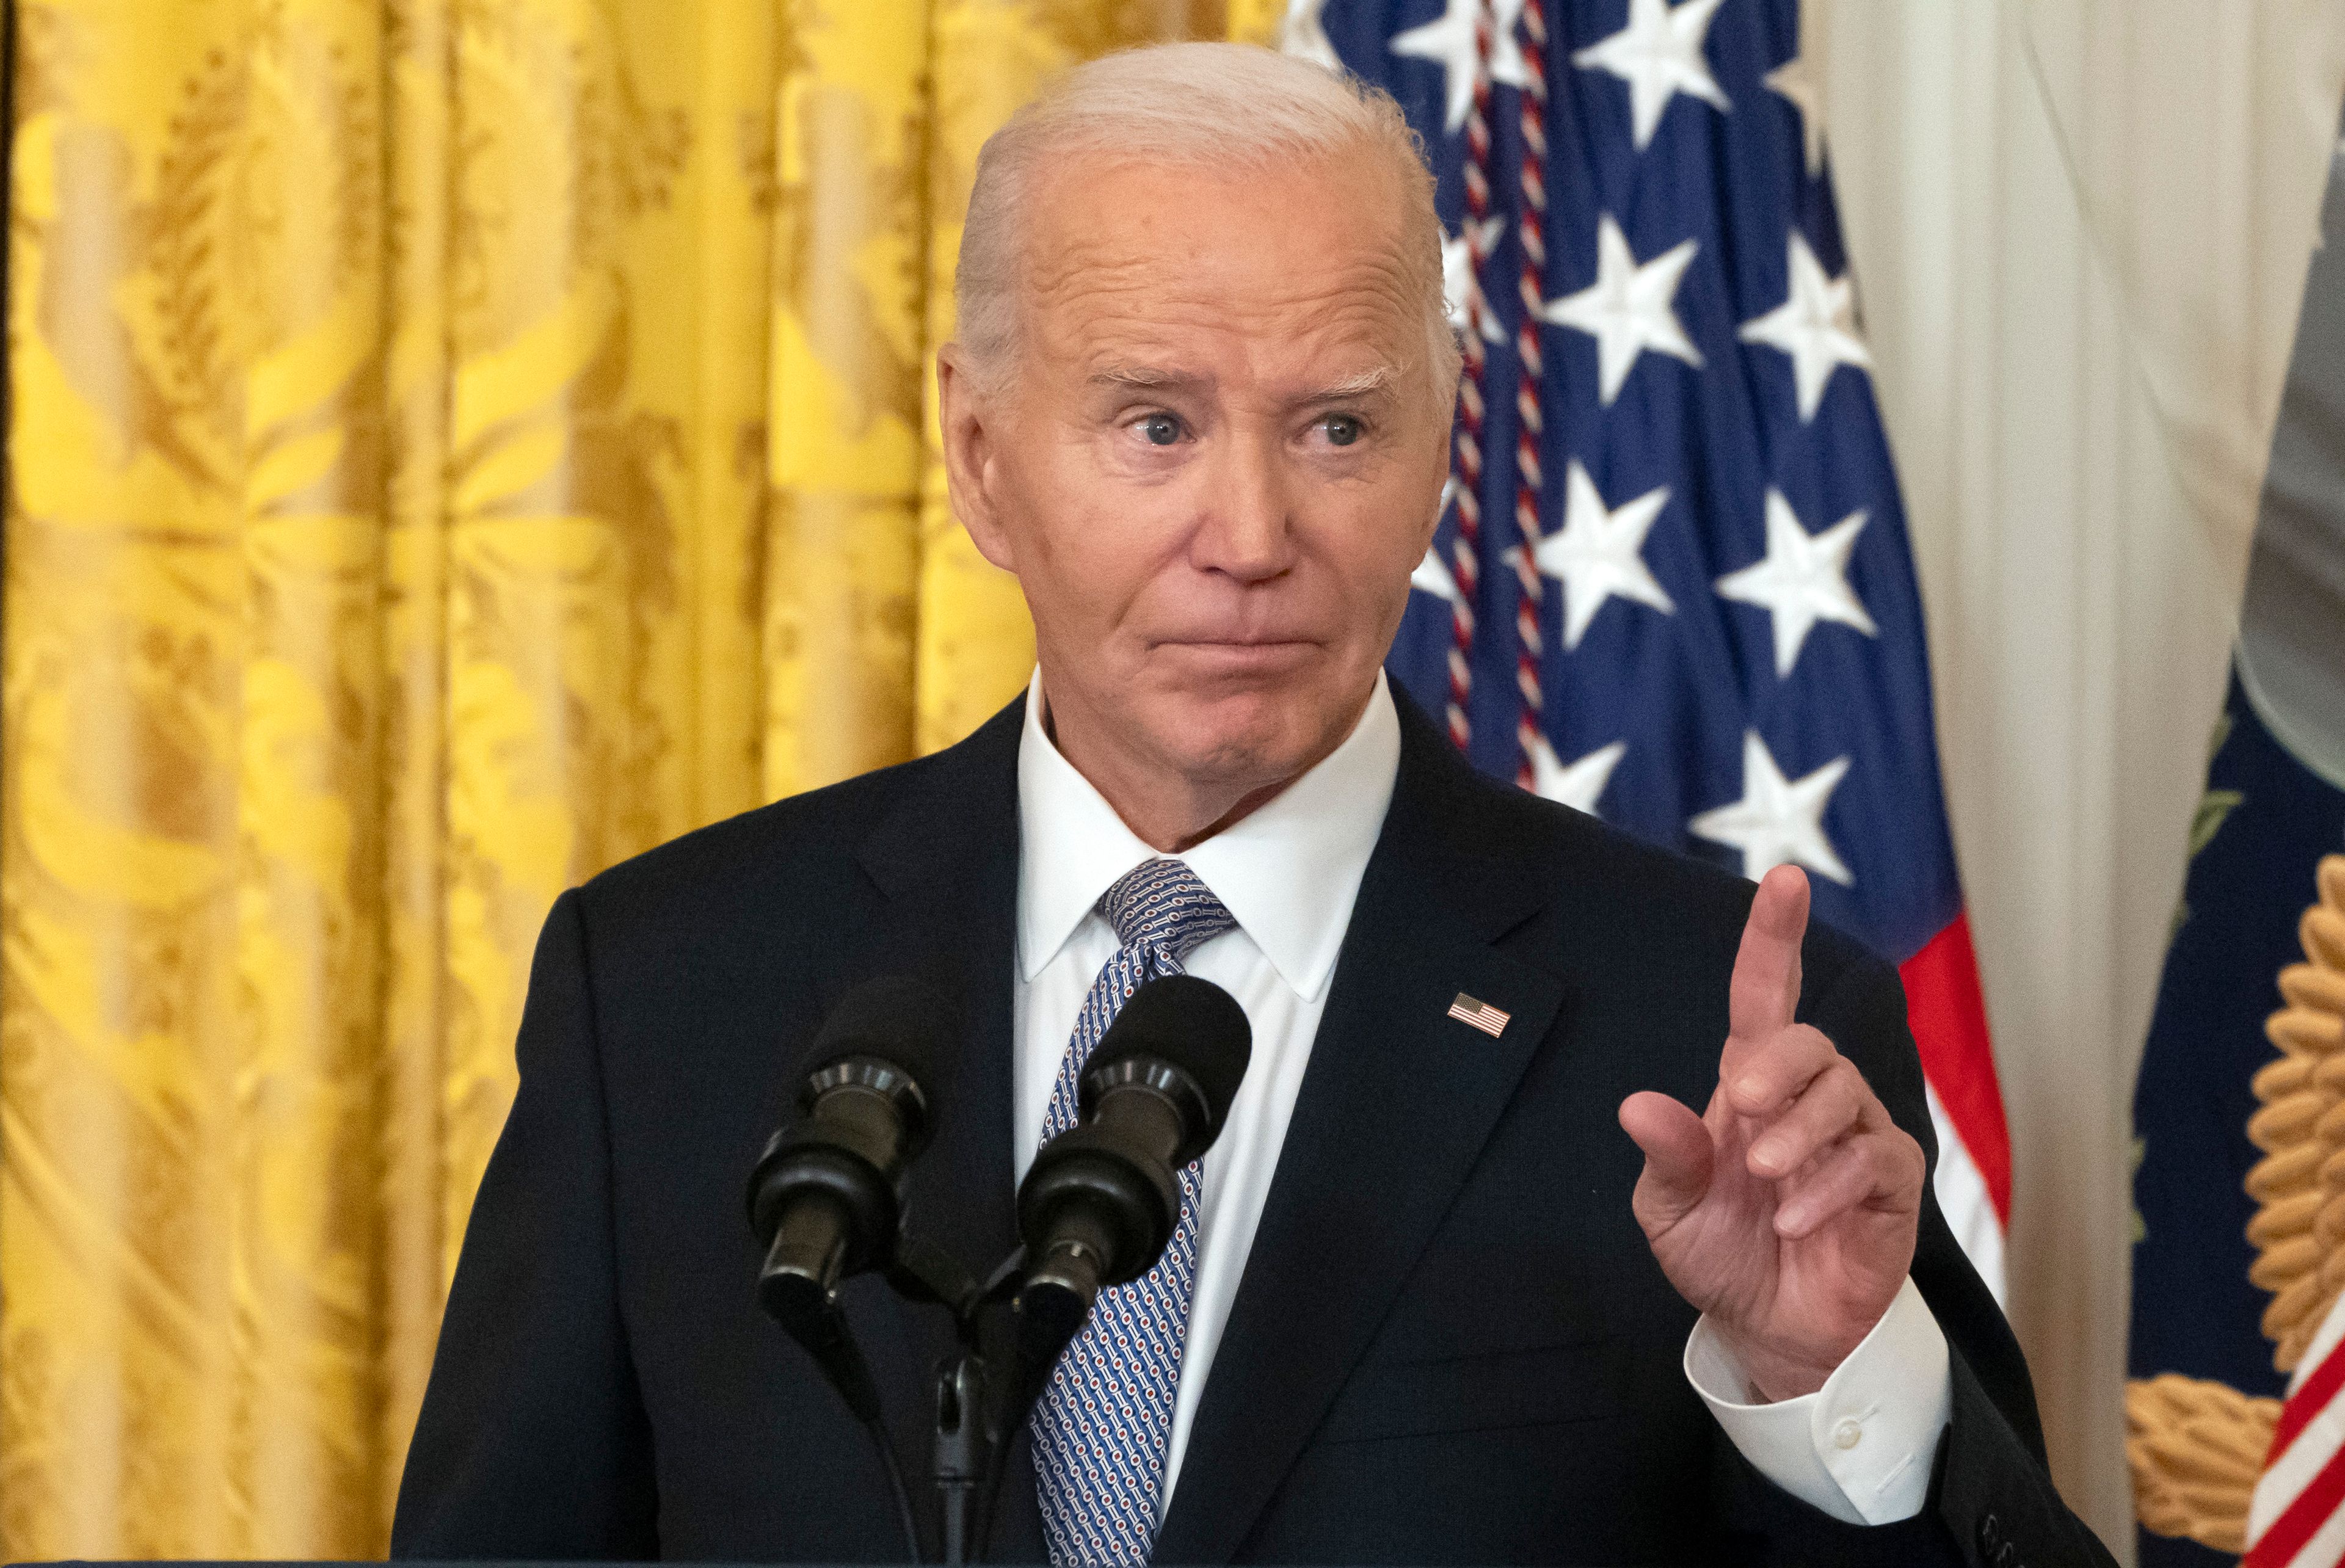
1451	1343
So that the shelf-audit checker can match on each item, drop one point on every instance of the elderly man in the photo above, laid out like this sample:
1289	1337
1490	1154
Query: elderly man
1426	1302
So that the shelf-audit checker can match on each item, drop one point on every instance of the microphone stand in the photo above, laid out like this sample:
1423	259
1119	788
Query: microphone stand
977	1411
976	1414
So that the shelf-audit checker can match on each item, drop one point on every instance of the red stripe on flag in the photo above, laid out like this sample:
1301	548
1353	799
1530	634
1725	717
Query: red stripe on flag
2307	1403
2307	1512
1949	1020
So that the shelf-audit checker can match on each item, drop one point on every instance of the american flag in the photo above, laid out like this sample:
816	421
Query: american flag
2296	1518
1671	586
1490	1020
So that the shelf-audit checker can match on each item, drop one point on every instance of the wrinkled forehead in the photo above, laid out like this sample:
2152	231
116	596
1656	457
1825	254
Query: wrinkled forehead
1263	274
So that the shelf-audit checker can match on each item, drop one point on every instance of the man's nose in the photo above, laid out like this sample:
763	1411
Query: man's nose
1246	530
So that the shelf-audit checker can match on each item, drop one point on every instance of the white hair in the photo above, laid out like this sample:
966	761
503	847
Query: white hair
1218	106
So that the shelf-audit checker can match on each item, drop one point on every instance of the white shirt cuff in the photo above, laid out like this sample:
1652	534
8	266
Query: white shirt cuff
1859	1448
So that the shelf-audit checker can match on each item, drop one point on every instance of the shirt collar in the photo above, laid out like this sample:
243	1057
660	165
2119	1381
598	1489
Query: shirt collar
1288	872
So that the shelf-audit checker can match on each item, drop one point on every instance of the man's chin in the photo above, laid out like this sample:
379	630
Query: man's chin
1248	738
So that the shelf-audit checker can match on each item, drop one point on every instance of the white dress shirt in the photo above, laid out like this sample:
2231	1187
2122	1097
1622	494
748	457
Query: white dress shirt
1859	1449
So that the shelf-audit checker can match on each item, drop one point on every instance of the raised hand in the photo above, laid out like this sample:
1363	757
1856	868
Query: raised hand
1787	1211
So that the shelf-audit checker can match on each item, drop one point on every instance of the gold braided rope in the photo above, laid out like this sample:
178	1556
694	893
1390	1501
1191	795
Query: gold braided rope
2196	1448
2299	1184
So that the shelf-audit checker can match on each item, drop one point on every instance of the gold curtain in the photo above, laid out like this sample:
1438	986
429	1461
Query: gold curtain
454	444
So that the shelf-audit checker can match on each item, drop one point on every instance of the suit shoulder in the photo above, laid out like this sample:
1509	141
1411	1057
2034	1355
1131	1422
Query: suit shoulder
801	848
1505	822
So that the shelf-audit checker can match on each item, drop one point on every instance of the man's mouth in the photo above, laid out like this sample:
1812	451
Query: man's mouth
1241	655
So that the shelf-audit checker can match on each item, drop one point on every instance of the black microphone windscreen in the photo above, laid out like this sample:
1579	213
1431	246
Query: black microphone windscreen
1195	1024
897	1020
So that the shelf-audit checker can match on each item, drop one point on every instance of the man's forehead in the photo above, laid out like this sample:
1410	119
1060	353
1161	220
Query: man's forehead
1121	266
1291	233
1291	280
1154	322
1099	190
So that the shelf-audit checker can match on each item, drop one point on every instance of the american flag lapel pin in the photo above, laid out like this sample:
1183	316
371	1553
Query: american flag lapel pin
1490	1020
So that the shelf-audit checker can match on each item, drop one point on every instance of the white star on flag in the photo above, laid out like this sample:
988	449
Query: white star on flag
1449	41
1796	80
1304	35
1457	275
1577	785
1659	55
1815	325
1778	822
1802	579
1432	577
1627	308
1599	552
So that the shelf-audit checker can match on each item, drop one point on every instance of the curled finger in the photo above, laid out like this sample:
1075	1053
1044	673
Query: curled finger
1871	1168
1762	1076
1828	1109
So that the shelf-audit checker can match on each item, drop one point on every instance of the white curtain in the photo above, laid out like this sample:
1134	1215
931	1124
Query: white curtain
2080	229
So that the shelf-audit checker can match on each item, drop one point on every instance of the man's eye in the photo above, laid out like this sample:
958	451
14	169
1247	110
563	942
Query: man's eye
1343	430
1161	430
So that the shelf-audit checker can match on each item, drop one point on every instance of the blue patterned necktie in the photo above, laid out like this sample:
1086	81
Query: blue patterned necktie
1103	1426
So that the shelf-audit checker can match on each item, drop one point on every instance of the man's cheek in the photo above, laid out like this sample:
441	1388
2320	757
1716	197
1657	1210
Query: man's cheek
1081	575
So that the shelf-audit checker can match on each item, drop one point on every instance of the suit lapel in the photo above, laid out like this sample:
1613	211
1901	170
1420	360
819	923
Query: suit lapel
945	863
948	913
1396	1105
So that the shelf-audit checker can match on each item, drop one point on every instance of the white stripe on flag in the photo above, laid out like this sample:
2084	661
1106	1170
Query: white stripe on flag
1962	1197
2327	1547
2314	1448
2290	1473
2332	1332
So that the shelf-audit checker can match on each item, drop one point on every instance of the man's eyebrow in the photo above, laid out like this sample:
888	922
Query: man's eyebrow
1155	379
1356	385
1144	377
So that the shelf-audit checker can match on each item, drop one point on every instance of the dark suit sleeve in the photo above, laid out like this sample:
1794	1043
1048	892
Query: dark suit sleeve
532	1441
1992	1503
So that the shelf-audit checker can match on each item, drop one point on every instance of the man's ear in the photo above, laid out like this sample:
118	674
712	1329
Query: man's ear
963	414
1445	419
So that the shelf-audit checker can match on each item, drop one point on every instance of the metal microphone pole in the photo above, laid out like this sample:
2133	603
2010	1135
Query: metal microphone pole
966	1441
977	1409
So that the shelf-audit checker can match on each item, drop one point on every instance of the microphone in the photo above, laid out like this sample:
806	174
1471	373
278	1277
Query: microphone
826	1195
1101	1199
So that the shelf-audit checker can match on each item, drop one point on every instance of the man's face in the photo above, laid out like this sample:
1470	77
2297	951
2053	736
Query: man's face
1215	460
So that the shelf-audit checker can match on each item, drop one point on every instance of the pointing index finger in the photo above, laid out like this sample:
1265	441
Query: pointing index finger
1765	990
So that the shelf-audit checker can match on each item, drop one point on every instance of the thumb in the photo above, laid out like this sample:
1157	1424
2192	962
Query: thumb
1678	1158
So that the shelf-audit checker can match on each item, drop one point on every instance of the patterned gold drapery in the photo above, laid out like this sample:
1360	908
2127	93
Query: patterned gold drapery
454	444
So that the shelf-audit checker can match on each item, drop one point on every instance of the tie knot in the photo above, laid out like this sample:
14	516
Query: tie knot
1160	903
